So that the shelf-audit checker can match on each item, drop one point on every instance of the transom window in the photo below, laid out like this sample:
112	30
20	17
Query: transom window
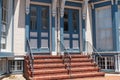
106	62
4	23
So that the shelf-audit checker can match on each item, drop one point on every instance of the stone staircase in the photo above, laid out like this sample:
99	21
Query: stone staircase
47	67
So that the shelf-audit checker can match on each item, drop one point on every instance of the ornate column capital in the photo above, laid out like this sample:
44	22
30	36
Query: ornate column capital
54	7
27	9
62	7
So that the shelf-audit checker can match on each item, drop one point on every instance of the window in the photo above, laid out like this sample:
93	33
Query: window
2	66
4	23
104	37
66	21
16	66
106	62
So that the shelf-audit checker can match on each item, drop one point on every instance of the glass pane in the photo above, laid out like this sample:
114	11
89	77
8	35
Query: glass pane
45	18
33	20
19	65
4	23
5	2
104	38
110	62
74	21
12	65
101	62
65	21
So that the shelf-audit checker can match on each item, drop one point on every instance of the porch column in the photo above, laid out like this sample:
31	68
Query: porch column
84	23
62	23
88	35
0	21
27	18
54	3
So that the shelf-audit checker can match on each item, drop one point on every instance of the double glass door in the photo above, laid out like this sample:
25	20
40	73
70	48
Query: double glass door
39	28
71	30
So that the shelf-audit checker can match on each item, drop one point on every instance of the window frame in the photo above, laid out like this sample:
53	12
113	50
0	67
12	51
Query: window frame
105	61
4	23
13	65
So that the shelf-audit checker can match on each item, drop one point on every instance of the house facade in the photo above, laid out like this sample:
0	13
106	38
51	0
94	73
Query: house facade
86	27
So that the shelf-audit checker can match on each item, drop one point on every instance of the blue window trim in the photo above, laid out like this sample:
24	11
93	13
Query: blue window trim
70	30
45	1
53	33
27	23
83	35
94	28
118	2
115	27
102	4
0	20
68	3
114	9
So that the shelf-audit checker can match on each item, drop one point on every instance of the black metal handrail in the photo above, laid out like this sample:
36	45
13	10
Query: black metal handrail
89	45
31	57
66	57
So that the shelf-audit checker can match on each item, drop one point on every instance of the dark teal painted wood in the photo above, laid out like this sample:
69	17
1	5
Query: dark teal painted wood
40	30
83	34
61	32
94	28
53	33
0	20
45	1
115	27
71	31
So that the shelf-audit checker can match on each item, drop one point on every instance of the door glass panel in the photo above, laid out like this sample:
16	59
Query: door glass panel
66	21
45	18
74	21
33	20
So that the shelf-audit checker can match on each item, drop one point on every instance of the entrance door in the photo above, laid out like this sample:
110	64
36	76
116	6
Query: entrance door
39	28
71	30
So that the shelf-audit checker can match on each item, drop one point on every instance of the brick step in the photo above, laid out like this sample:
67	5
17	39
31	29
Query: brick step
66	76
82	64
61	65
62	70
48	61
60	60
50	71
87	74
79	56
85	69
46	57
52	77
39	66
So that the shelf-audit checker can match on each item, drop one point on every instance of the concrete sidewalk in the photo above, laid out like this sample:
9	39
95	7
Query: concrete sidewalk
107	77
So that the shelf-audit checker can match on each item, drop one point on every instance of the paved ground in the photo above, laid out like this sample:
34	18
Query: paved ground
107	77
14	77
